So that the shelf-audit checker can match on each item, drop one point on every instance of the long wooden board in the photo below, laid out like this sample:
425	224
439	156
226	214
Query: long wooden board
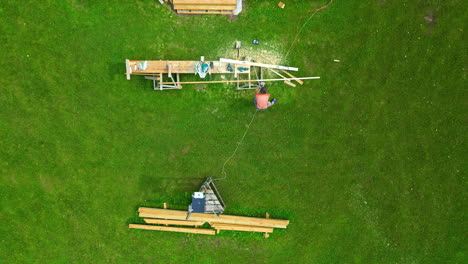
204	2
209	12
174	229
173	222
205	7
227	219
247	228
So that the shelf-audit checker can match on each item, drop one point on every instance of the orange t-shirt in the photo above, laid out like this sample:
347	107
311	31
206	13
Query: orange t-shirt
262	100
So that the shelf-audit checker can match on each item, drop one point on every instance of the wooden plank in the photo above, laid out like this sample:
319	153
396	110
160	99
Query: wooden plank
205	12
173	222
246	228
161	67
204	2
286	82
294	77
277	73
279	67
227	219
230	81
174	229
205	7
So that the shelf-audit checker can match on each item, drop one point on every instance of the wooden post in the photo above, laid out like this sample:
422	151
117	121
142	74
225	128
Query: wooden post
128	69
178	81
165	207
266	235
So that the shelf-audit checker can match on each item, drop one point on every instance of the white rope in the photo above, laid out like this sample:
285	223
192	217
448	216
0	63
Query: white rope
223	171
299	32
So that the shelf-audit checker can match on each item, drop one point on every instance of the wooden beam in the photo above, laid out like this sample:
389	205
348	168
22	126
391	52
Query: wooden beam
286	82
247	228
205	7
231	81
174	229
266	234
290	83
294	77
226	219
204	2
173	222
279	67
208	12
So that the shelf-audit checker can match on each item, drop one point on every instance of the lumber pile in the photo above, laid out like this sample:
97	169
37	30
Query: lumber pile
175	221
221	7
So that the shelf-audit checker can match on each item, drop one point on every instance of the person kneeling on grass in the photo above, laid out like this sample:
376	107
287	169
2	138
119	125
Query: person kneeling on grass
261	98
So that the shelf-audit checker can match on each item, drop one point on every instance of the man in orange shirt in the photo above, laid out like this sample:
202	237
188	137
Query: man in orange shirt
261	98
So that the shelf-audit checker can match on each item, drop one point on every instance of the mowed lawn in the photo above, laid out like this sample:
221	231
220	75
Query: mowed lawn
368	163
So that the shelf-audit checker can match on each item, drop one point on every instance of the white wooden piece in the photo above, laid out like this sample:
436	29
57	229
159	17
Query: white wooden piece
279	67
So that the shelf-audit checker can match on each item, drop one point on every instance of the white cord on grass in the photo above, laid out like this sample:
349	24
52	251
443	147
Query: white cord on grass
299	32
223	171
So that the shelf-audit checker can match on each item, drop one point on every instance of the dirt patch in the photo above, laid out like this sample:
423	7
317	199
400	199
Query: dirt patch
201	88
77	4
430	19
171	157
46	183
232	17
186	150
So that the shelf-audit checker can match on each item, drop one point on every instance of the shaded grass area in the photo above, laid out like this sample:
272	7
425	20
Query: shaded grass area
367	162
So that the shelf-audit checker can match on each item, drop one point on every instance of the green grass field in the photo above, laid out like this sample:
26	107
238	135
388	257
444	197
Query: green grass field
367	162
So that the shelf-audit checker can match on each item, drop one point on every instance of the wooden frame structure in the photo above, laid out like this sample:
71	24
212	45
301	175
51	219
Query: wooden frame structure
157	71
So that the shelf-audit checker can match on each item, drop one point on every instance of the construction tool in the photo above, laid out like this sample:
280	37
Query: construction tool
238	46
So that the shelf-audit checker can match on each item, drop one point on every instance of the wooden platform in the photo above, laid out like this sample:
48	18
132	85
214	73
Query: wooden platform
220	7
156	67
248	74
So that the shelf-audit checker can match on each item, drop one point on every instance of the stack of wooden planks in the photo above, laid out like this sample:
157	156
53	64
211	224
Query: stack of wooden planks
175	221
222	7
